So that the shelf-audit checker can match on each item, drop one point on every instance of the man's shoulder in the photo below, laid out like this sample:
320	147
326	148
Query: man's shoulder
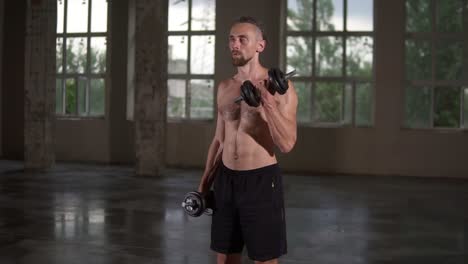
225	83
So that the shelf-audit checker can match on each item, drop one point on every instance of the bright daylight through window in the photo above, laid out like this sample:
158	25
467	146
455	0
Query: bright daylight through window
330	43
436	64
81	53
191	43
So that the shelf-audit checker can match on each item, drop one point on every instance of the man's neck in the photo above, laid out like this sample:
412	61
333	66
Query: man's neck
253	70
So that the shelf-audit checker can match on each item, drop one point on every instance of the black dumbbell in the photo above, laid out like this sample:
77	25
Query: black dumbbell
196	204
277	82
250	94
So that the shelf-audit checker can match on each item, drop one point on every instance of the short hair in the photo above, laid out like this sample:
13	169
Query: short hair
252	21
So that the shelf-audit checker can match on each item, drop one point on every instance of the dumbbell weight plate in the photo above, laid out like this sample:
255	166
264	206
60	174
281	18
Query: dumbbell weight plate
193	204
250	94
277	81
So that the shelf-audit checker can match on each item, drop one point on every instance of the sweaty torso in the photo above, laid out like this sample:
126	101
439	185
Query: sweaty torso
247	140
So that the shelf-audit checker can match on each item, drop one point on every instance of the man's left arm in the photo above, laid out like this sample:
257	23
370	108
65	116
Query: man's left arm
281	116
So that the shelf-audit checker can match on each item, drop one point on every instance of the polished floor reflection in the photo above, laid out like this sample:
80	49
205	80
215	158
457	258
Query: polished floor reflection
103	214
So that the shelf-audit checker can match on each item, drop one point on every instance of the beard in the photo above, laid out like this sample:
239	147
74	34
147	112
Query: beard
239	61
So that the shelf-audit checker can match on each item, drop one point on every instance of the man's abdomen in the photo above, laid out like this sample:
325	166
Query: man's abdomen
243	152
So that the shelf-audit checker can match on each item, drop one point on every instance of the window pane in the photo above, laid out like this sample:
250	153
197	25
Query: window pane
178	15
465	107
59	55
77	16
99	16
450	15
177	53
97	97
359	57
304	101
98	54
418	107
300	13
70	97
363	104
76	55
447	107
60	12
360	15
201	103
58	96
203	15
330	15
328	102
202	54
329	56
418	60
418	16
299	55
82	83
176	98
449	60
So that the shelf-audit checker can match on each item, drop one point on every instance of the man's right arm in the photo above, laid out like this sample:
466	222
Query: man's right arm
215	153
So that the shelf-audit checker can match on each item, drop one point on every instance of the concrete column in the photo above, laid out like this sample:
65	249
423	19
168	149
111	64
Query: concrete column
39	81
150	84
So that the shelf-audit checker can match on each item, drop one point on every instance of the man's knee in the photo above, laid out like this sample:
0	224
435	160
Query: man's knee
221	258
228	259
273	261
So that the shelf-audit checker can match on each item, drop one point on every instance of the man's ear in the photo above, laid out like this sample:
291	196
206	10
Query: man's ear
261	45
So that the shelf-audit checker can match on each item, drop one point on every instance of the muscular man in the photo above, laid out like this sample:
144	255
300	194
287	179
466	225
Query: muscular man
241	160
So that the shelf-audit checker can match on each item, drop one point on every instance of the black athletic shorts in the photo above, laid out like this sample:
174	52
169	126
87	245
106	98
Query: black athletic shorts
249	210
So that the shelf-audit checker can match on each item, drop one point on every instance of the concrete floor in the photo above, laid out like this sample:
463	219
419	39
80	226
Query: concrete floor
103	214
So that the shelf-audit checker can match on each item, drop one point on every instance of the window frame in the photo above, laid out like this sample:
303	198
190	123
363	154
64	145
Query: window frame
344	79
187	77
63	76
433	37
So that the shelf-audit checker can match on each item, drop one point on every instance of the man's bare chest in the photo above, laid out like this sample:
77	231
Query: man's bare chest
232	111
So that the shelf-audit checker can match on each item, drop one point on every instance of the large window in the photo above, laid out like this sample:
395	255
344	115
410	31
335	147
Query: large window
436	58
191	45
81	53
330	43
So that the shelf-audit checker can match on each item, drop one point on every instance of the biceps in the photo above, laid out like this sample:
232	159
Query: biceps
289	108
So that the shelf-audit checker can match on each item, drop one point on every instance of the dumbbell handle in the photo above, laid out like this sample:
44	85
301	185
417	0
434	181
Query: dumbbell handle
238	99
286	76
290	74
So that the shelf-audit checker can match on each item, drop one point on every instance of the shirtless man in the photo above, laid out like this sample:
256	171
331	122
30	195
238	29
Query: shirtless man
241	161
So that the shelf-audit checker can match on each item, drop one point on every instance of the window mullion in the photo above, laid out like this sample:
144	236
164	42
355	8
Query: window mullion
64	57
188	94
343	39
314	61
64	69
314	39
88	63
187	79
433	61
343	66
